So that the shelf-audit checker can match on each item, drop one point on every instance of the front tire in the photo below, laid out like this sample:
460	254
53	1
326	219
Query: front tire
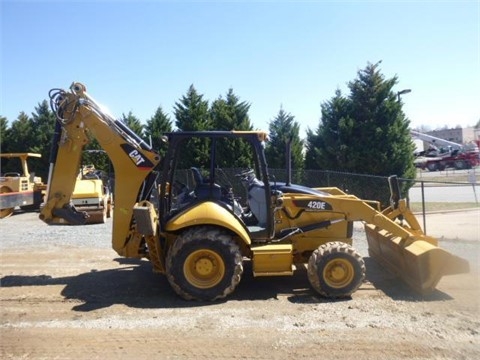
204	264
336	270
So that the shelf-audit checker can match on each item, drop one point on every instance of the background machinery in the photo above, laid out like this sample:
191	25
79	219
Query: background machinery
19	188
92	195
93	188
446	154
198	223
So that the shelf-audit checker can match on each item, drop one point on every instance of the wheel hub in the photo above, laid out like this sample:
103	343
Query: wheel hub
204	268
338	273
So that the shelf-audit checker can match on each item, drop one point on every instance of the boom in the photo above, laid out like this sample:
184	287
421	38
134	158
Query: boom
435	140
79	119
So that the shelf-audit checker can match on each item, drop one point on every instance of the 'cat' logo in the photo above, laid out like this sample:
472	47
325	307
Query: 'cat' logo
136	156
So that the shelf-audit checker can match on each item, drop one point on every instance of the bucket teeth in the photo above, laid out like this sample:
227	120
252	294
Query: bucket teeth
418	263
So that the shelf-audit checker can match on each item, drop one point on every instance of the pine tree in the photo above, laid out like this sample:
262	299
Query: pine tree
3	132
284	128
329	148
366	132
158	125
42	125
19	134
133	123
231	114
192	114
383	145
313	144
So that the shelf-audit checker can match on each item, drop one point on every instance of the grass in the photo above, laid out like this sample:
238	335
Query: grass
439	206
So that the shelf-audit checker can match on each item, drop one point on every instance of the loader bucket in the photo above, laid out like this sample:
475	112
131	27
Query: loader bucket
418	262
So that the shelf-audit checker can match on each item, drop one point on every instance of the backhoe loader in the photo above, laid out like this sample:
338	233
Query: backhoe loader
198	223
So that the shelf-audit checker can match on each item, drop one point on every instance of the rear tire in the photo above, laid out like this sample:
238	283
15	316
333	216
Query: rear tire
432	166
336	270
204	264
460	165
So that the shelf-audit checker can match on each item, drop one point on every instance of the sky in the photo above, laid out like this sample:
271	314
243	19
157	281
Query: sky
291	55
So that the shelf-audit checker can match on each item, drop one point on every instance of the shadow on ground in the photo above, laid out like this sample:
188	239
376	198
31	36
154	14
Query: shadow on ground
135	285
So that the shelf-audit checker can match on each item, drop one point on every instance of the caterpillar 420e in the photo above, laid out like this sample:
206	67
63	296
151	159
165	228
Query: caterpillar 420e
197	227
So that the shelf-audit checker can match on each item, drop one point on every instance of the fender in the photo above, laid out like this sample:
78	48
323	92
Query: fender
208	213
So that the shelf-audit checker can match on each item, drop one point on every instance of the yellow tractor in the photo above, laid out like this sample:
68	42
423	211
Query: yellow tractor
198	223
20	188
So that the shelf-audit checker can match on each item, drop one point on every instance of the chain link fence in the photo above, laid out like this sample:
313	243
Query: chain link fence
446	190
461	185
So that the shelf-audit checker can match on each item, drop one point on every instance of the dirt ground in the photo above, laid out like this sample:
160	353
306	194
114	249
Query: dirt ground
66	295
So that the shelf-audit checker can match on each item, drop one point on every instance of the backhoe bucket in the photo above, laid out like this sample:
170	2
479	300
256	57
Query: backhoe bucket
418	262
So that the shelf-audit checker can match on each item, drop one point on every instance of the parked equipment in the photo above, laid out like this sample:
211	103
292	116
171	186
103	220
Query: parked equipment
198	225
92	195
446	154
20	188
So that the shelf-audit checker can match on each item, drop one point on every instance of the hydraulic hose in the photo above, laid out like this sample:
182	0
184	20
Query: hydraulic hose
130	133
53	153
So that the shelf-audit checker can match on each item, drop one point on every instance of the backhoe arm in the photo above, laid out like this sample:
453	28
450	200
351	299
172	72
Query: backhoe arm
79	119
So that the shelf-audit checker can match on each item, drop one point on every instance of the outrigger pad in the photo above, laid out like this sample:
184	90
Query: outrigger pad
419	264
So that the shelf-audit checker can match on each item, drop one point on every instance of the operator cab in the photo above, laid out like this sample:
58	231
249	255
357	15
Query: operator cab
255	213
197	179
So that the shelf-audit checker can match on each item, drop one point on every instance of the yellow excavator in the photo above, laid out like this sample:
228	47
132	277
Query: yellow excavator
198	223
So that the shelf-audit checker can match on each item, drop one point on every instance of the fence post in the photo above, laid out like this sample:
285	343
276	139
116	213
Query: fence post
423	208
473	180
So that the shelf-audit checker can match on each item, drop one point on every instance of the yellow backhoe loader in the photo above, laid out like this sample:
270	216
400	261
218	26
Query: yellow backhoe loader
20	188
198	223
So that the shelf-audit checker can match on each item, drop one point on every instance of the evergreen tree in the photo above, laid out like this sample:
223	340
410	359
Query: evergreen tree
4	136
3	131
328	149
158	125
231	114
192	114
284	128
19	134
312	145
383	143
366	132
133	123
42	127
